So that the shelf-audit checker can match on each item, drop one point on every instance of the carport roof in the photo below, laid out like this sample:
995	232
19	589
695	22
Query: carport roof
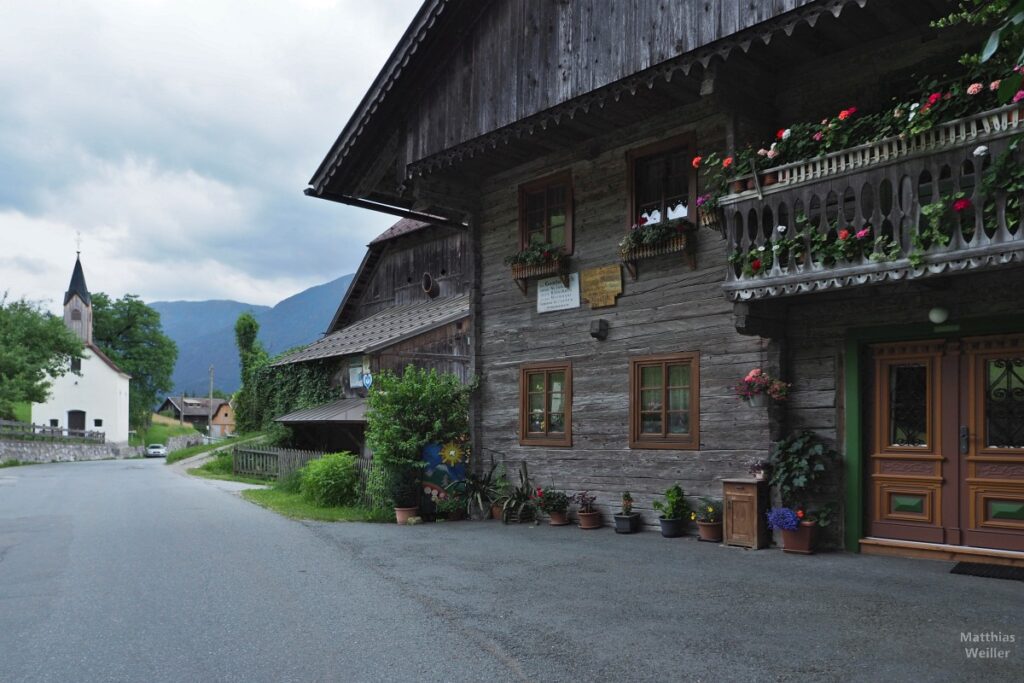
344	410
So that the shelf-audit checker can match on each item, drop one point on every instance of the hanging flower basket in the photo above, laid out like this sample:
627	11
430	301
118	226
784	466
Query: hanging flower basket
758	386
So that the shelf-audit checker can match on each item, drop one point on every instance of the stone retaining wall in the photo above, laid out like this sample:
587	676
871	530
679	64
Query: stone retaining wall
176	443
52	451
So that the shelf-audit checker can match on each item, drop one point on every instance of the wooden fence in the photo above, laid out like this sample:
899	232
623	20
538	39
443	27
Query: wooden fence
271	462
33	432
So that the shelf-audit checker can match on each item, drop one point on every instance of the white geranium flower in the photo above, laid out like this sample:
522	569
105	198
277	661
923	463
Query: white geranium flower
761	248
981	151
782	229
786	133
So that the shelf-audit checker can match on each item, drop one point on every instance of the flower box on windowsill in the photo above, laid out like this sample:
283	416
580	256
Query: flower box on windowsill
683	242
523	273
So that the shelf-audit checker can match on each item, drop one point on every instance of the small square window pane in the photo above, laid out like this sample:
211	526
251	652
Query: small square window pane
557	236
650	399
556	381
536	423
679	375
556	195
679	423
557	425
535	201
650	423
650	377
678	399
536	403
556	403
535	380
535	221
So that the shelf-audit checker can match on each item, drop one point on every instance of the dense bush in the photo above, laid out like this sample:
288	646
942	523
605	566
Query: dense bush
331	481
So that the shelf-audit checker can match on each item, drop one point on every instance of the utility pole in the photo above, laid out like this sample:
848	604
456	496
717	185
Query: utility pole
181	411
209	408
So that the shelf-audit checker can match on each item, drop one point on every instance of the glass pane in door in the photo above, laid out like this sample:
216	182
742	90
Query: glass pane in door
1004	403
908	405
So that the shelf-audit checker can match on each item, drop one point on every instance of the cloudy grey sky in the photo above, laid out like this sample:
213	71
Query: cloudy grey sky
177	136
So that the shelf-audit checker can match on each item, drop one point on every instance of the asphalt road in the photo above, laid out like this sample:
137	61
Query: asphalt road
128	571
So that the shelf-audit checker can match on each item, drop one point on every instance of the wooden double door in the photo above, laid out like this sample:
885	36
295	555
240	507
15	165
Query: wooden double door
946	449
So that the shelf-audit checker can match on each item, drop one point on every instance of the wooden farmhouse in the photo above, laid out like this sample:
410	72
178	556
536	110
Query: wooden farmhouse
408	304
612	367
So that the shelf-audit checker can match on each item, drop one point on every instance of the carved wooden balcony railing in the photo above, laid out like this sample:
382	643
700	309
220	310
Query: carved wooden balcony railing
882	185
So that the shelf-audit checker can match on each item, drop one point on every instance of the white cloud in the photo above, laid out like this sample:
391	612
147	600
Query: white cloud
177	136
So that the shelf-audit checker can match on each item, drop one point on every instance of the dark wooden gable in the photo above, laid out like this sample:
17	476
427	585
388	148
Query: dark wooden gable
467	68
392	272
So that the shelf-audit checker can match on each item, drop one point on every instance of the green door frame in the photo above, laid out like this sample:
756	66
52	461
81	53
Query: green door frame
852	405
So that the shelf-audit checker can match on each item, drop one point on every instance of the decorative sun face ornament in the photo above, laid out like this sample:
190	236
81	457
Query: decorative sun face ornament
451	453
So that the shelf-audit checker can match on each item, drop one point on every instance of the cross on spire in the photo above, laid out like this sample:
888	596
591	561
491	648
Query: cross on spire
78	242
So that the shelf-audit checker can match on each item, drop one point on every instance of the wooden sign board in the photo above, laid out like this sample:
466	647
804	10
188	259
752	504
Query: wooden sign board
601	286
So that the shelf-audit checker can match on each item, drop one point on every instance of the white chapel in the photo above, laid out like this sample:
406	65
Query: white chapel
94	397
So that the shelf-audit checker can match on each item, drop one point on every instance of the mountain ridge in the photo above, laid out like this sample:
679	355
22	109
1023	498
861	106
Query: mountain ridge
205	332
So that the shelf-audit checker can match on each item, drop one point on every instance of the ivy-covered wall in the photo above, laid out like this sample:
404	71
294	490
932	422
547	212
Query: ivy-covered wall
270	391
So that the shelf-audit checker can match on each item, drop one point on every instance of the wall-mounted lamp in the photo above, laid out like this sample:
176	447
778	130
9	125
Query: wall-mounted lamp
599	329
938	315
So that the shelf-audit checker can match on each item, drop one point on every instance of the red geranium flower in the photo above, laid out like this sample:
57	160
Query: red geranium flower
756	264
696	161
642	220
934	98
727	162
779	133
800	514
962	204
844	234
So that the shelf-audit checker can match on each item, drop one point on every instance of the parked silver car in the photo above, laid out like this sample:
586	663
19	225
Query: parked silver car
156	450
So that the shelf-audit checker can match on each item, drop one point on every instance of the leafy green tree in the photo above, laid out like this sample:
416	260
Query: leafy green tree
129	332
252	359
35	348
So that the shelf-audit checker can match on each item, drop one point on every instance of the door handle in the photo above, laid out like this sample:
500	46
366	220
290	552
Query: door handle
965	443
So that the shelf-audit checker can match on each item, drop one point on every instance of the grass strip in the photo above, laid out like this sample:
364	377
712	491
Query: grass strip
295	506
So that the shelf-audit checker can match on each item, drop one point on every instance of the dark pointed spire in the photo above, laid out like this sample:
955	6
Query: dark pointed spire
77	285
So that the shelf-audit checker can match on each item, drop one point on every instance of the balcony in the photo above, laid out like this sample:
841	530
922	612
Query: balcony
883	211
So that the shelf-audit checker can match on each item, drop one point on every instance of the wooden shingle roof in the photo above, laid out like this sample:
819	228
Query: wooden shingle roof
384	329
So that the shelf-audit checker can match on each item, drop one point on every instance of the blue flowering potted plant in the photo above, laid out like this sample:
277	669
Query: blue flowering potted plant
797	533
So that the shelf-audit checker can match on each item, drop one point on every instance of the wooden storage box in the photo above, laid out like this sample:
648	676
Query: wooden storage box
745	502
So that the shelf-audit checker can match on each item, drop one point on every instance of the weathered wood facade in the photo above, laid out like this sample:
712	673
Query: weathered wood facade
521	91
407	305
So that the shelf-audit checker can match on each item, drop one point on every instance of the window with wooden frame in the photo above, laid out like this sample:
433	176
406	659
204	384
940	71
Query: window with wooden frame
662	181
545	404
545	212
664	401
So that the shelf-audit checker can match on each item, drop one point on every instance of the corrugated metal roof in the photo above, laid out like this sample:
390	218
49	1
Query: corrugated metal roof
344	410
384	329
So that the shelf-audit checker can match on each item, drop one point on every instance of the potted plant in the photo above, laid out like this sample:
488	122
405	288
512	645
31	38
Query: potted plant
451	508
797	533
798	464
554	504
627	521
758	386
759	469
709	520
501	488
476	491
673	512
714	185
519	503
589	517
404	490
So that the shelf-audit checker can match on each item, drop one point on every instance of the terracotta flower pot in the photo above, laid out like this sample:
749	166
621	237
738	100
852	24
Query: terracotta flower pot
769	178
558	518
737	186
627	524
751	184
672	528
497	511
402	515
590	520
709	531
801	539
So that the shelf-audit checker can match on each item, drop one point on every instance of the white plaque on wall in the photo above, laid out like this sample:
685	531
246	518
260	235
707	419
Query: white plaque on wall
552	295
